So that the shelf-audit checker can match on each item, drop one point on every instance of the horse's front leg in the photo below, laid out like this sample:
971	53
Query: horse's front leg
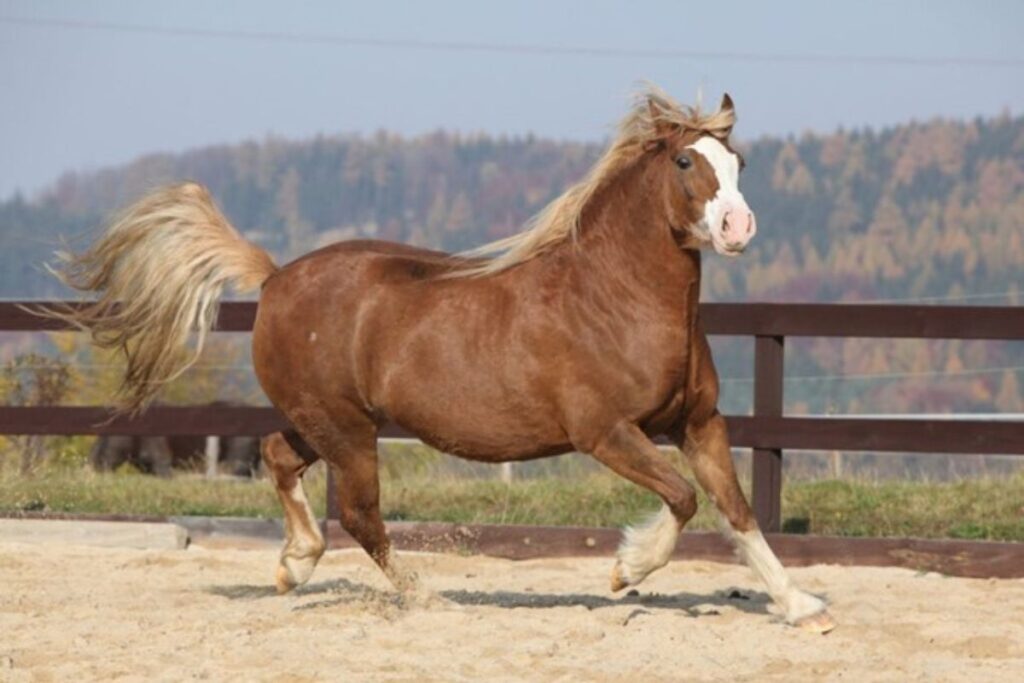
628	451
706	447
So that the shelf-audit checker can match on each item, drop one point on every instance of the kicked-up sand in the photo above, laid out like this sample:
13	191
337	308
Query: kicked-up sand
75	613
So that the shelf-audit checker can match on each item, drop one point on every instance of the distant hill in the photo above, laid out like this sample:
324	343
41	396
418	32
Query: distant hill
922	210
440	190
917	211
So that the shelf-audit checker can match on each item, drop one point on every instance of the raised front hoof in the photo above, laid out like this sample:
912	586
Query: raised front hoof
625	574
822	623
620	578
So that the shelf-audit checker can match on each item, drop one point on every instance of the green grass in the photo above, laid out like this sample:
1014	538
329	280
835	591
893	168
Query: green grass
991	509
976	509
84	491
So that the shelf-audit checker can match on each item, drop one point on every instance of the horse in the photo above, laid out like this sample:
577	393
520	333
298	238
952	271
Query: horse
580	333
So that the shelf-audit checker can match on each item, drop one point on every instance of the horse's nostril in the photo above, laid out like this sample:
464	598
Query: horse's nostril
737	225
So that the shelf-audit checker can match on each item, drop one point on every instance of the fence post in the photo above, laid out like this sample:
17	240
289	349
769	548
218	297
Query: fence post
769	354
212	453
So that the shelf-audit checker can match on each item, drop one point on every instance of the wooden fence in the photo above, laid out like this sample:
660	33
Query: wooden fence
768	432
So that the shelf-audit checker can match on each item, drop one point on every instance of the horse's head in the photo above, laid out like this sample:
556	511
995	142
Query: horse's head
699	177
679	159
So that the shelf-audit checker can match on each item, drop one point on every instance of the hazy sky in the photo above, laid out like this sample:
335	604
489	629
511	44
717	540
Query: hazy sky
79	96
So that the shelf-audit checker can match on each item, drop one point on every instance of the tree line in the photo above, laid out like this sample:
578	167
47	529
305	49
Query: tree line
925	211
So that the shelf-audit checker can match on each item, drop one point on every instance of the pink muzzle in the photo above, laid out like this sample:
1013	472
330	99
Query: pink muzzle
738	226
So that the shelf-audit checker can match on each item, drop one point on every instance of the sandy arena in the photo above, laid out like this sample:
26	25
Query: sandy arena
80	613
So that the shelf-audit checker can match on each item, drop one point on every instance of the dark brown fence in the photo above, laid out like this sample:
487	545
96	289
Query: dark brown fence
767	431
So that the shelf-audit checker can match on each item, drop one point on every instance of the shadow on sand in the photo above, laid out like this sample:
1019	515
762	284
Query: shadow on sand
343	592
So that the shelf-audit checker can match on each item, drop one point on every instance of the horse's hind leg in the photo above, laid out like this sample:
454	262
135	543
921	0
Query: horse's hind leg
706	447
286	458
347	439
358	488
646	547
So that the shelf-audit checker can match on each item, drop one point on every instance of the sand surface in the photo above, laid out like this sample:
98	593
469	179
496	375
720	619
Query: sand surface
78	613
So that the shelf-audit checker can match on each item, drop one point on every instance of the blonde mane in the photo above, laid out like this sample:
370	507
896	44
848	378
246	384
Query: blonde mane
652	114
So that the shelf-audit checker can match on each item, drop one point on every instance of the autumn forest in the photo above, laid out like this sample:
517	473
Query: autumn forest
925	212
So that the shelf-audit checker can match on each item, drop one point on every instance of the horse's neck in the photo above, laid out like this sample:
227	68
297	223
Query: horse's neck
626	245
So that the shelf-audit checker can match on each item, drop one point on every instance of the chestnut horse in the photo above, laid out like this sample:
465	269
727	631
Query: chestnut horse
580	333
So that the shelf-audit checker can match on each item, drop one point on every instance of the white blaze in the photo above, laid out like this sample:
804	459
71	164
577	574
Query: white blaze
727	171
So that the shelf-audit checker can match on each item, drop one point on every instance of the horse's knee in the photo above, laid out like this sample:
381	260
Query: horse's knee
683	504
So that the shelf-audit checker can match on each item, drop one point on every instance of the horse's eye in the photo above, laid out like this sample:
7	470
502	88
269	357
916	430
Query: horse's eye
684	162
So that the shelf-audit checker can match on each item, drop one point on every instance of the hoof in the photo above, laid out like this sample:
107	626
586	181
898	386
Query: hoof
283	580
404	581
822	623
295	570
618	580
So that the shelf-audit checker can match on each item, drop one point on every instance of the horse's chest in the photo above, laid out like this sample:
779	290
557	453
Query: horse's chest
652	370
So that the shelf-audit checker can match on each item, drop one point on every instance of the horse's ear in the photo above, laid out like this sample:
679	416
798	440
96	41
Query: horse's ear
728	111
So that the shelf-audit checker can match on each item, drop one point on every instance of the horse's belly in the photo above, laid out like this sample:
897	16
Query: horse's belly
480	431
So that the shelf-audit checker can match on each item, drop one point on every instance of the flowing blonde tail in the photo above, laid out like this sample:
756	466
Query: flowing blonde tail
159	271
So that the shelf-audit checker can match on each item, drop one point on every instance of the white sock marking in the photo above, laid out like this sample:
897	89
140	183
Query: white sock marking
758	555
648	546
304	544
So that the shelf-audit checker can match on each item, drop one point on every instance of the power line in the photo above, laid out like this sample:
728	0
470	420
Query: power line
518	48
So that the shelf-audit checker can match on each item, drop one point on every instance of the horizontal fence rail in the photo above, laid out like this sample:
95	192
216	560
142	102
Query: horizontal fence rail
997	437
864	320
743	320
767	431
